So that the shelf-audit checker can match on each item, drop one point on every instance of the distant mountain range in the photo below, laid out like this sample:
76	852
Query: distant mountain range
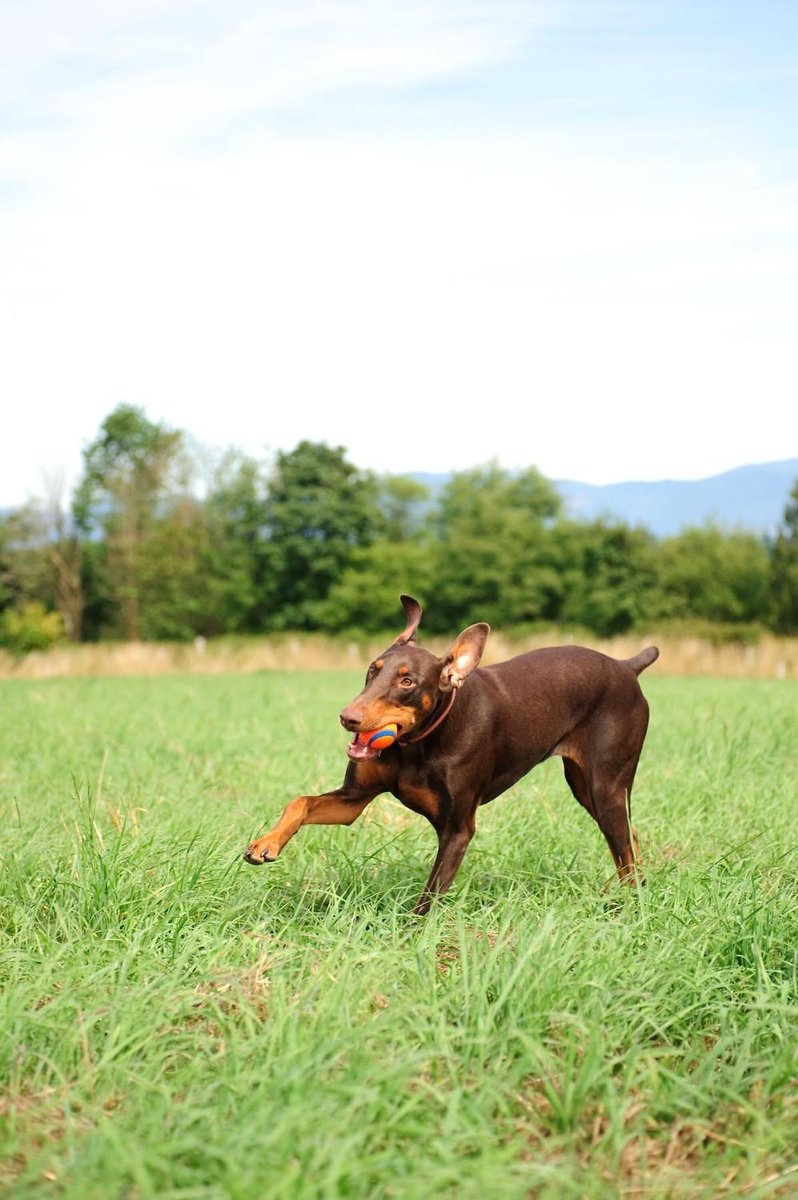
752	497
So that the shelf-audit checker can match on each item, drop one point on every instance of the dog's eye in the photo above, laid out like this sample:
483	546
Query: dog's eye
406	682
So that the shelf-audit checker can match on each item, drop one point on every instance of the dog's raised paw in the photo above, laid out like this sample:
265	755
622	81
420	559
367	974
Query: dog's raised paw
258	855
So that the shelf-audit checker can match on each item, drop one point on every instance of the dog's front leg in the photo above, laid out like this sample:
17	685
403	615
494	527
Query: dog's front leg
453	841
341	807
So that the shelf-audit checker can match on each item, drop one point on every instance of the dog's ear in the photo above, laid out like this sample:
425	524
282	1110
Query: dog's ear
463	656
413	613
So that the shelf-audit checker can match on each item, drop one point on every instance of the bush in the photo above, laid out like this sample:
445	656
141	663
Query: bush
30	628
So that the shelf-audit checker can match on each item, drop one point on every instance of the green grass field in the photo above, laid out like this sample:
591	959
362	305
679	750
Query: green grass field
176	1023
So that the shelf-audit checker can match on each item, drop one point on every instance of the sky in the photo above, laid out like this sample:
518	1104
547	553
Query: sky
550	233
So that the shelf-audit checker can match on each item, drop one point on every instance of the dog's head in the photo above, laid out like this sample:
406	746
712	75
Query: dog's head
407	684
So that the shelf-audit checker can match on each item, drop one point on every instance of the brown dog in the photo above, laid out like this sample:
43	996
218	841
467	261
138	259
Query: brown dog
450	758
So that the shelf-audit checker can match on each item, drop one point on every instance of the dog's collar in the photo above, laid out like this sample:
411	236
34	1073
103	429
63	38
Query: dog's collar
419	737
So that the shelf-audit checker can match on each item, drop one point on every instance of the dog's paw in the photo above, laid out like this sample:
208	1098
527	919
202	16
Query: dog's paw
258	853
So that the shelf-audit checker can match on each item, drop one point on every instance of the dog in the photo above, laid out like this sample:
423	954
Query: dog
466	733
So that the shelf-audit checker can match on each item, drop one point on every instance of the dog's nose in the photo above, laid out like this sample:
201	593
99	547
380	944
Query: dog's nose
350	718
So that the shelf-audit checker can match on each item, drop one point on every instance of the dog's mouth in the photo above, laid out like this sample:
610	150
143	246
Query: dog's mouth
361	749
358	750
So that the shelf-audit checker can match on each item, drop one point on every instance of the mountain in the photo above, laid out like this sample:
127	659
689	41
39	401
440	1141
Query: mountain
751	497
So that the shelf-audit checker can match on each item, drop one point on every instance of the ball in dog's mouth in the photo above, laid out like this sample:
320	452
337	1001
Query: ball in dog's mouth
368	743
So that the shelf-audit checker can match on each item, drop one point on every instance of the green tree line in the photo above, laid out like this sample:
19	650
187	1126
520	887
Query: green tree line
160	543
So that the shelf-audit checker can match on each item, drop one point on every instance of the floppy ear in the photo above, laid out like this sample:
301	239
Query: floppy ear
413	613
463	656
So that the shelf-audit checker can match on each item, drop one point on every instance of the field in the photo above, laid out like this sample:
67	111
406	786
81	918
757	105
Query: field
176	1023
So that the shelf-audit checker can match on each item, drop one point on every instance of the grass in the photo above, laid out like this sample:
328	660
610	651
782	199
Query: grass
178	1024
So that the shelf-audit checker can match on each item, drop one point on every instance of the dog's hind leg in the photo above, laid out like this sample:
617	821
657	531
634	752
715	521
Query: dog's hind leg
609	807
578	784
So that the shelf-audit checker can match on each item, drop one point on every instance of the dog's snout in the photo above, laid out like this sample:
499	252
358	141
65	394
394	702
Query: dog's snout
351	718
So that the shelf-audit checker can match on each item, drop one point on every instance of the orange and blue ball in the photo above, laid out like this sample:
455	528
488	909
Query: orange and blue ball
379	739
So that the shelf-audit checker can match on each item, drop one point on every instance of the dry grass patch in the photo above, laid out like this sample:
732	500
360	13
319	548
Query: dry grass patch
769	658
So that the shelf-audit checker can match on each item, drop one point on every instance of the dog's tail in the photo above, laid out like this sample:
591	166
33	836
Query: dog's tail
644	659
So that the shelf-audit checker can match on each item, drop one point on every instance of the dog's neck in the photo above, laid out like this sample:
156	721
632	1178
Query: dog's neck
442	715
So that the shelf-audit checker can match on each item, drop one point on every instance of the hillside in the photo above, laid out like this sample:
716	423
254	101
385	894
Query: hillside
750	497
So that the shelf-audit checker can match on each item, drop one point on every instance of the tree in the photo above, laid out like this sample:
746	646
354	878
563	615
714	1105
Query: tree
600	574
23	560
365	598
711	575
172	582
65	558
40	570
784	570
402	559
128	471
489	525
319	510
403	503
236	550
